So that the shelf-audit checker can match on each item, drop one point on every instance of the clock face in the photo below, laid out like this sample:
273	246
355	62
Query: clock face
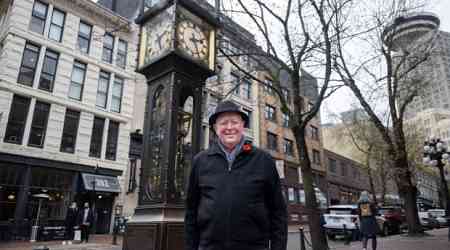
159	39
193	40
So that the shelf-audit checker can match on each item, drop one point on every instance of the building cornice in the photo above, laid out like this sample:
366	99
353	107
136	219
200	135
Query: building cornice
98	10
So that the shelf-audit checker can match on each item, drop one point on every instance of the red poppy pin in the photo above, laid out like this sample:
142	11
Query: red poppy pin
247	147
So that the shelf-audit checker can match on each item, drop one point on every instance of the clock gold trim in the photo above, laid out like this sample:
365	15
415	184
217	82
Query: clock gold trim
212	49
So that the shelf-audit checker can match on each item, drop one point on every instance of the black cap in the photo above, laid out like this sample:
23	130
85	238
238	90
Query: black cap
227	106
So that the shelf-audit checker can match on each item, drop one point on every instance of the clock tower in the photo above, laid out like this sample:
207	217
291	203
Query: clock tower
177	54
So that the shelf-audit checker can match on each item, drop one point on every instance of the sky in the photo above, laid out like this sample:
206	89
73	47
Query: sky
344	100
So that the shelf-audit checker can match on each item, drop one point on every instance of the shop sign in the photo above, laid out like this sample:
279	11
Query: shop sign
101	183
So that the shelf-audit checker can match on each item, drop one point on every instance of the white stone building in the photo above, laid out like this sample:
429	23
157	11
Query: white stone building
67	82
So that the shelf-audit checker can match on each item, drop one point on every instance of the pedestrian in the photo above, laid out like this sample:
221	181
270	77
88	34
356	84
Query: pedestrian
234	198
70	223
368	223
85	220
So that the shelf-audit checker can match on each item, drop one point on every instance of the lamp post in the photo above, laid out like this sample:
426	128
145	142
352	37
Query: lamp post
436	155
94	201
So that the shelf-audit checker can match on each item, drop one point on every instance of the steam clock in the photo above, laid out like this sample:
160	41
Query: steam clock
177	55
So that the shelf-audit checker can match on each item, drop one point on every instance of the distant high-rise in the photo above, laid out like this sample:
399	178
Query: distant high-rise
409	30
436	94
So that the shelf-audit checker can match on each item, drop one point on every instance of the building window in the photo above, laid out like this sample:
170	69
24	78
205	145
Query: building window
108	48
316	156
288	147
286	120
355	173
332	165
102	89
344	169
235	83
111	144
17	119
116	101
286	94
28	65
132	184
84	37
48	71
272	141
291	195
268	86
57	25
314	133
38	17
77	82
269	113
247	88
95	148
249	114
121	59
70	130
301	196
39	124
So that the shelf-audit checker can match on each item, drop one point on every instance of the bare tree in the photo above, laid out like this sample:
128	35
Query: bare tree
370	150
293	34
400	81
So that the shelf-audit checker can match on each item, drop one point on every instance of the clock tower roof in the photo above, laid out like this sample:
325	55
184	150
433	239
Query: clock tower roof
201	10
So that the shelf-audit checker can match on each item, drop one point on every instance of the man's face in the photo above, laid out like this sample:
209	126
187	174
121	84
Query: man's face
86	205
229	127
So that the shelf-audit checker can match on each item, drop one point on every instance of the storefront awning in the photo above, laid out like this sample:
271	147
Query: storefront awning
101	183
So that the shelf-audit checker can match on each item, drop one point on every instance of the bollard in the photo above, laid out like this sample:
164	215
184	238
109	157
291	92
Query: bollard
346	236
302	239
114	237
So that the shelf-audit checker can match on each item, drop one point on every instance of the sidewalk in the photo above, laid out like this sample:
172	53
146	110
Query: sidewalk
96	242
437	240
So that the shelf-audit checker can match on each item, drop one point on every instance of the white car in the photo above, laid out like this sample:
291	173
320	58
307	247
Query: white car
341	220
439	215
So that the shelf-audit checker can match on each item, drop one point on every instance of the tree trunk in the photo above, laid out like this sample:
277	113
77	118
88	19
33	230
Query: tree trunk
409	194
372	185
318	237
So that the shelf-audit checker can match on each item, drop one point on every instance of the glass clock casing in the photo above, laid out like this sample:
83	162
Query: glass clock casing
195	37
176	28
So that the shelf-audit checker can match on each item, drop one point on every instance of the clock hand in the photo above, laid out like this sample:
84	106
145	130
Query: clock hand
159	39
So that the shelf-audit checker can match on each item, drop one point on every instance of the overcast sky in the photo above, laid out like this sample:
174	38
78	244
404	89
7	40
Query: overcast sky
343	99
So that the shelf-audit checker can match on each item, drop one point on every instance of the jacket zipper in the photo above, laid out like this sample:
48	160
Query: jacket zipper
228	237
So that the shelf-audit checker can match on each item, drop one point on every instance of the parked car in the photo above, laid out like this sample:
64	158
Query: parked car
390	219
341	220
427	221
439	215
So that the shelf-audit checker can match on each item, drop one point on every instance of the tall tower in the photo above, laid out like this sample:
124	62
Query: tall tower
410	33
406	30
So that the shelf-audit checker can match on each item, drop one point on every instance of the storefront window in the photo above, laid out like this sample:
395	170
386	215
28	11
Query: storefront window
9	190
58	185
8	198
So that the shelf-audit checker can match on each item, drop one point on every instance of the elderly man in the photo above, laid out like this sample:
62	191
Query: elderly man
234	199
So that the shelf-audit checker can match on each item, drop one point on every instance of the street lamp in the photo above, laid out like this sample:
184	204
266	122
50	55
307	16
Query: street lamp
435	154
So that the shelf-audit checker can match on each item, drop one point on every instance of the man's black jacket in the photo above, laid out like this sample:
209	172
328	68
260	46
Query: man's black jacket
235	207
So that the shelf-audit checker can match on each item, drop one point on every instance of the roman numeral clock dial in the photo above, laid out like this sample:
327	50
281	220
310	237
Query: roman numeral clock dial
193	40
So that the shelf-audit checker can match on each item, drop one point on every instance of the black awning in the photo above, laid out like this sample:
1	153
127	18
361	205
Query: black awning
101	183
